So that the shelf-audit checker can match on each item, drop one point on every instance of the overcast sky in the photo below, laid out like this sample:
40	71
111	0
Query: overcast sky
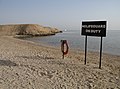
63	14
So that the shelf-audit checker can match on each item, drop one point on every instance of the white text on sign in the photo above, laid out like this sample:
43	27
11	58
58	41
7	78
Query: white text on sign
92	31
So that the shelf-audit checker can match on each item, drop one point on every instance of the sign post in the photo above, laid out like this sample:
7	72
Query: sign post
85	48
100	53
94	28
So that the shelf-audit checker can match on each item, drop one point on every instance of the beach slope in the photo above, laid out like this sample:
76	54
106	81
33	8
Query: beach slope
28	65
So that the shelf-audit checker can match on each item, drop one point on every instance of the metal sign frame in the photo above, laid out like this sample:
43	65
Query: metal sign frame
94	28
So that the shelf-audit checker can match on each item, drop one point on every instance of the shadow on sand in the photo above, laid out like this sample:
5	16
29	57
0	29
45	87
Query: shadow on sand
7	63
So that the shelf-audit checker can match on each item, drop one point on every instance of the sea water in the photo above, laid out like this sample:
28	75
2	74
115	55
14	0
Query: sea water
111	43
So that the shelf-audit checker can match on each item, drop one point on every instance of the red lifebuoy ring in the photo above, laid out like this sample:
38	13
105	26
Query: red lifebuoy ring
64	42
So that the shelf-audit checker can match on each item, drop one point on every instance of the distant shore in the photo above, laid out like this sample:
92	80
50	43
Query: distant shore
27	30
25	64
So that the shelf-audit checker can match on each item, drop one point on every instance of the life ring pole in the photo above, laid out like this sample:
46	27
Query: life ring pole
63	51
63	56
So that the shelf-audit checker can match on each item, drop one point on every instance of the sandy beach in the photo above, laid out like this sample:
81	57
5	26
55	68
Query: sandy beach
28	65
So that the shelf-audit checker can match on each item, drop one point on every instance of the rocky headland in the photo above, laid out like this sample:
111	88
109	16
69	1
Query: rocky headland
27	29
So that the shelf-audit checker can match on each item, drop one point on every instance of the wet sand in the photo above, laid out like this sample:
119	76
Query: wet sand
28	65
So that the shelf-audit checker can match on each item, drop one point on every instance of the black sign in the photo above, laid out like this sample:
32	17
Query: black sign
94	28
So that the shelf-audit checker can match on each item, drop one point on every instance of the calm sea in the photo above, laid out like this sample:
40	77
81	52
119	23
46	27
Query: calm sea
111	43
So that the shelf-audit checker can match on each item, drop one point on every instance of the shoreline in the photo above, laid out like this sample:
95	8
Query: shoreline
26	64
73	49
77	42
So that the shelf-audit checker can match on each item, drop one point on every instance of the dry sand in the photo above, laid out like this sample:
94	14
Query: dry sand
27	65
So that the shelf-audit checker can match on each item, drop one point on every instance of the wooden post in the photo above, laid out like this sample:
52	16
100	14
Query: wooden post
62	48
63	52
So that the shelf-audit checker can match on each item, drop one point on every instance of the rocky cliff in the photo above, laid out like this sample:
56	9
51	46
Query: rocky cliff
27	29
